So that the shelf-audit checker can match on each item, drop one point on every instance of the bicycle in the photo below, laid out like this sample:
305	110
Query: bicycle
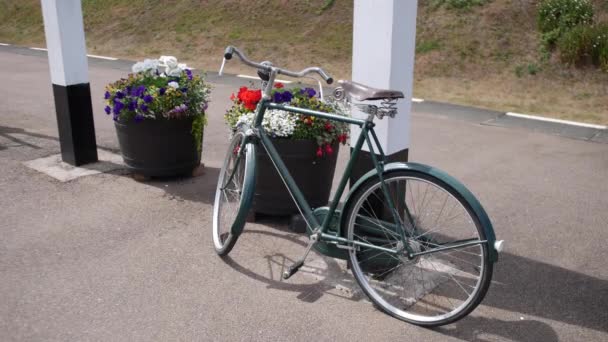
412	262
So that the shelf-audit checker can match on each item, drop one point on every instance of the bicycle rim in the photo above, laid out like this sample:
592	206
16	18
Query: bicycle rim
431	289
229	209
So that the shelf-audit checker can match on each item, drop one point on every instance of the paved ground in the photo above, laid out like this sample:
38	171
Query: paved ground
105	257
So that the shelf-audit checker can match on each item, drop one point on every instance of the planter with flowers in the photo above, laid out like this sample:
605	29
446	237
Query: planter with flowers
159	115
308	146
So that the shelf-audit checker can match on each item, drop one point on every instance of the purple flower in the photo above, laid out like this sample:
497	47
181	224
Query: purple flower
118	106
115	117
139	91
184	89
120	94
277	97
139	118
148	98
143	107
285	96
189	73
108	110
162	91
132	105
308	91
106	95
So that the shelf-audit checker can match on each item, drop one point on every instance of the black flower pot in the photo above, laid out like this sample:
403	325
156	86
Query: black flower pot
313	175
159	148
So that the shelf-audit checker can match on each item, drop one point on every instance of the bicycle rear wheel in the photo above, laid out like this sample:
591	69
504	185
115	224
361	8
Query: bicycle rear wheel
429	289
233	194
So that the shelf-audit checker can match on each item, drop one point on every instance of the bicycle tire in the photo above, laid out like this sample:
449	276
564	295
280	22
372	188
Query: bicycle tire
226	229
371	266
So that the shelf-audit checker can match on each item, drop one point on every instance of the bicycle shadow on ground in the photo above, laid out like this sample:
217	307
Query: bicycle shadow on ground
325	278
522	286
490	329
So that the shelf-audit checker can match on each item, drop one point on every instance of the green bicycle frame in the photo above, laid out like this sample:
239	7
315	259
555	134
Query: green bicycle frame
367	135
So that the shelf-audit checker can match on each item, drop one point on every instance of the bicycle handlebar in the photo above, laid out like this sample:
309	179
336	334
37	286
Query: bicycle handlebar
230	50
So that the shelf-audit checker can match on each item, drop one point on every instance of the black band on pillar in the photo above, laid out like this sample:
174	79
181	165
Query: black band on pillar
75	123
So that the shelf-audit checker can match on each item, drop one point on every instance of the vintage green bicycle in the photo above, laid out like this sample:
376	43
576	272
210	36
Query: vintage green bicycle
418	242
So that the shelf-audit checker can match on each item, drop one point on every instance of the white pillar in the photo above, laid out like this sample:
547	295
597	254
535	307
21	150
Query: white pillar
64	32
384	43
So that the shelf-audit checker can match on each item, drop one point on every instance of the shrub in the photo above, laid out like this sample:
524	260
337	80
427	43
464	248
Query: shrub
556	17
585	44
599	50
575	45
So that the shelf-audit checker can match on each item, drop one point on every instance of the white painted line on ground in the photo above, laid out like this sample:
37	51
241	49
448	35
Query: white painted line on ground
417	100
257	78
4	44
566	122
38	49
103	57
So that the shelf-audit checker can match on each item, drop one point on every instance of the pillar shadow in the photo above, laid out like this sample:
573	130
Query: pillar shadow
6	132
195	189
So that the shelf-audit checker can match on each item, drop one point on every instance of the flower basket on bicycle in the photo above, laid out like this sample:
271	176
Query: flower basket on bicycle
308	146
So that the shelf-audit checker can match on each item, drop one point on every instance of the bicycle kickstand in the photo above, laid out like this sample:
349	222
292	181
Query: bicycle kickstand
291	270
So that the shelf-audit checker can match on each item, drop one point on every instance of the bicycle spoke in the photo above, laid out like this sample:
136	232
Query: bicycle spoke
431	285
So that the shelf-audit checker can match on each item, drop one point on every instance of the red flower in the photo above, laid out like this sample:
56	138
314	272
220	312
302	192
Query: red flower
342	138
278	85
328	149
232	97
319	152
249	98
328	127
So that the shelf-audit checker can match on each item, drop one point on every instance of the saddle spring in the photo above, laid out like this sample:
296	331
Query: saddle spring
388	107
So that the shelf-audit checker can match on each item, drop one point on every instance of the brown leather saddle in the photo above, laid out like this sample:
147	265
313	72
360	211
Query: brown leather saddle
361	92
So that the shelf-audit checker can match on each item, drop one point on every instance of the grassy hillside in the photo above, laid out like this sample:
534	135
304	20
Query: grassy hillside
484	55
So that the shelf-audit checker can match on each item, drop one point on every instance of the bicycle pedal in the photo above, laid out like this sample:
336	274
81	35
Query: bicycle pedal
292	269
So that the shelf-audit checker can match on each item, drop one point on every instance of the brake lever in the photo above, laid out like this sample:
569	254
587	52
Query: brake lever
222	67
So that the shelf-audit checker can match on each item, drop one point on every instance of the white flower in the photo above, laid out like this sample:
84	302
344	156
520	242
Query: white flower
171	66
138	67
150	64
277	123
182	66
173	84
173	72
168	61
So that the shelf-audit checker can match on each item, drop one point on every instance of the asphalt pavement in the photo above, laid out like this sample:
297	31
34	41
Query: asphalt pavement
106	257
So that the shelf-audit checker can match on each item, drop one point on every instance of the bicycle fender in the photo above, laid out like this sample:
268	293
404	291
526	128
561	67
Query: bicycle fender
248	194
484	220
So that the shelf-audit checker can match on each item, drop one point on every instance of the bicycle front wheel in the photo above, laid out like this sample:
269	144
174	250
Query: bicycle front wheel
233	194
428	289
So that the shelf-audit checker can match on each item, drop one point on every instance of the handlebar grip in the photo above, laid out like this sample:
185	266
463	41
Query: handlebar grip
326	77
228	52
